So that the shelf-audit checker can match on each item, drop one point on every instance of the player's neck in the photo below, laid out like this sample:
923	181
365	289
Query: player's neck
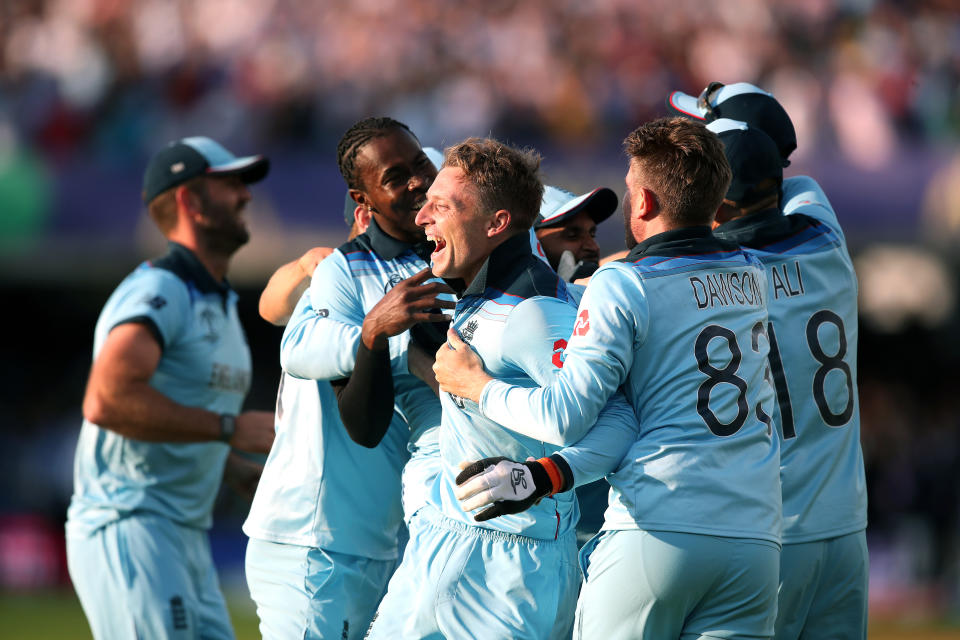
215	262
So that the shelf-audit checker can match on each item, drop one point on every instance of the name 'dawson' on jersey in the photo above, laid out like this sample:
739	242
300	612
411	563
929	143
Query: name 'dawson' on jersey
726	289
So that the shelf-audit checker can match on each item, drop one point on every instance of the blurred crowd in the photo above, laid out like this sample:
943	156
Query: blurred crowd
113	76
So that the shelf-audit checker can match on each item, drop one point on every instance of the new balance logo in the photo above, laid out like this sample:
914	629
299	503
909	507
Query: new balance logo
518	478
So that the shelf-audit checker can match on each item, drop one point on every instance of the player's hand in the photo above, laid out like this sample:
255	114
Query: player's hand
459	370
308	262
411	301
502	486
254	432
242	475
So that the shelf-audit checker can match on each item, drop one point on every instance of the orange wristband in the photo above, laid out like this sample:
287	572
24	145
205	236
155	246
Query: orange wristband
556	478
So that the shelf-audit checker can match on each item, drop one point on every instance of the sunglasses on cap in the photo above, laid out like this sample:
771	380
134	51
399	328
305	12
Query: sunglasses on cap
706	96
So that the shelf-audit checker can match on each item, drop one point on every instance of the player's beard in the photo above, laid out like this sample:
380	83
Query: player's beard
629	238
222	227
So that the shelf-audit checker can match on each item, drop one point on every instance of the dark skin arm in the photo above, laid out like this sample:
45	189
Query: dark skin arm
366	398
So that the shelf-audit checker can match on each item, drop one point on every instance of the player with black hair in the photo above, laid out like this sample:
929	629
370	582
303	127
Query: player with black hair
324	523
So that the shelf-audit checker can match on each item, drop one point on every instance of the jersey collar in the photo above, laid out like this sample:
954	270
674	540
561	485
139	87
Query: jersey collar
185	264
500	263
388	247
678	242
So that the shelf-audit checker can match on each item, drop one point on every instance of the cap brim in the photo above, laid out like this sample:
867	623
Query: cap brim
599	204
685	105
250	168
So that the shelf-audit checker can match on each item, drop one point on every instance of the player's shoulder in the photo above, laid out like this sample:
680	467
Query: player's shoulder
154	277
802	195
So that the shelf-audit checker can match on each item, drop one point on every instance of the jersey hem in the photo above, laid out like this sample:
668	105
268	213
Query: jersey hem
706	531
299	541
825	535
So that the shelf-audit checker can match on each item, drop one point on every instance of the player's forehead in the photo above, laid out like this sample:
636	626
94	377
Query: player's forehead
395	148
451	185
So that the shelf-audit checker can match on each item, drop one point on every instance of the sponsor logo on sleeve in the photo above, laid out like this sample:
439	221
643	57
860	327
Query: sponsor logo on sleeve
582	325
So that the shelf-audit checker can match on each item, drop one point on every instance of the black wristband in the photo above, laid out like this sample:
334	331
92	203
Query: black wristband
228	425
541	479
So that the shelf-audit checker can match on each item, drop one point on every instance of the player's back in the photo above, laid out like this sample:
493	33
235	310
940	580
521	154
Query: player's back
812	303
706	461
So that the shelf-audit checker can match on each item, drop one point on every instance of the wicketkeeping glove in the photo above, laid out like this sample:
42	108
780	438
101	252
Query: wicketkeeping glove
504	486
570	269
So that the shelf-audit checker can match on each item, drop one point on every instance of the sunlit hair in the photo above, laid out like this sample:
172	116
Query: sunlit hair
504	177
356	137
163	208
683	164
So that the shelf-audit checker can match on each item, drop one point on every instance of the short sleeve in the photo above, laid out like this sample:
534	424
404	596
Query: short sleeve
155	298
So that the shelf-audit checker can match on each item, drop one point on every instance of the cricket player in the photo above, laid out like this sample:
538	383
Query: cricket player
514	577
812	301
567	229
288	282
690	543
161	410
324	523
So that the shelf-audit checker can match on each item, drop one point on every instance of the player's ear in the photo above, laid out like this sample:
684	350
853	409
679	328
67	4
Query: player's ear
647	205
188	200
361	199
498	223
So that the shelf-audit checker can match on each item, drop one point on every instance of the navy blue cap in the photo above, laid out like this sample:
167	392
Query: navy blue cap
740	101
753	158
189	158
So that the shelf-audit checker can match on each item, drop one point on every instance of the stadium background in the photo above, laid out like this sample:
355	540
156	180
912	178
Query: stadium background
90	88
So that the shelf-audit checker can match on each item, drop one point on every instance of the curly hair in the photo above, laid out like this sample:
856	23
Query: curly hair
504	177
358	135
684	165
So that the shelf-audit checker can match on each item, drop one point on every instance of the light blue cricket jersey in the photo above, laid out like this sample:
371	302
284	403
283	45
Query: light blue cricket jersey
319	487
680	325
517	315
205	363
812	303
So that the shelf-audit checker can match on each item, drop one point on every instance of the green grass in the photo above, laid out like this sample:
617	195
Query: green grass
56	615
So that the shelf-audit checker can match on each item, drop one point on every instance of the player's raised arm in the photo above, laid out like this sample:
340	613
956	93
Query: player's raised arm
566	407
287	284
